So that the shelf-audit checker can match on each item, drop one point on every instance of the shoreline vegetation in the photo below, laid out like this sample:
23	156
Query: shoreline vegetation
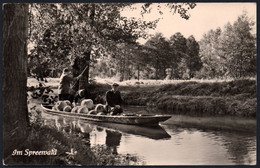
194	98
233	98
228	98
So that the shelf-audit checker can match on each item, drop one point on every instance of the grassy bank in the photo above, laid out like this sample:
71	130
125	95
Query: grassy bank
198	98
234	98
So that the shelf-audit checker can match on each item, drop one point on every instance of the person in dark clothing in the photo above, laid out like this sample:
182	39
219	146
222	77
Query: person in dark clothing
65	92
99	100
114	100
79	96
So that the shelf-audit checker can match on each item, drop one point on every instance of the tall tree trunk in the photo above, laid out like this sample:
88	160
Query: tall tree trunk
85	61
122	69
241	61
138	72
15	112
173	72
157	68
130	69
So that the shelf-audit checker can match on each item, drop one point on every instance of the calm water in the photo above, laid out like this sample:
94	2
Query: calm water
165	144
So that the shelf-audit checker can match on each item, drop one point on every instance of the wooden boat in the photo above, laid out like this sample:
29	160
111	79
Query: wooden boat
132	119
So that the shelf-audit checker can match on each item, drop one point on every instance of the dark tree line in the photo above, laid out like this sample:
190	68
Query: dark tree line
152	60
227	53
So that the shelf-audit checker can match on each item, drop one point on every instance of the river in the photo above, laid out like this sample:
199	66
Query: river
167	144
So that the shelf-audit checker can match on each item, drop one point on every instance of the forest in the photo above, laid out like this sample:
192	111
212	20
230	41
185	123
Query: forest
60	36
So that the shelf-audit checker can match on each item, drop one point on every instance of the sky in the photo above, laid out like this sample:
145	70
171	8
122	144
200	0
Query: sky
204	17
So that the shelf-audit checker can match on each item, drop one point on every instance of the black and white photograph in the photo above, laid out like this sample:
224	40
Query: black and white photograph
129	84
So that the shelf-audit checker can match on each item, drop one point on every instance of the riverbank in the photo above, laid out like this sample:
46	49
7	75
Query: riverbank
194	98
228	98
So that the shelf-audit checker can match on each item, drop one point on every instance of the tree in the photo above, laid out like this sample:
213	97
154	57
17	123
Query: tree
179	47
231	52
85	32
15	112
213	64
238	47
193	60
159	54
139	60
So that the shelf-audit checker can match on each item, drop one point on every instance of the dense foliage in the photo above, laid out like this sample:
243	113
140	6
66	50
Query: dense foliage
230	52
178	55
61	35
227	53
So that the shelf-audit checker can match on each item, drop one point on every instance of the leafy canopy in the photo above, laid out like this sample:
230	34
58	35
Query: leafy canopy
61	32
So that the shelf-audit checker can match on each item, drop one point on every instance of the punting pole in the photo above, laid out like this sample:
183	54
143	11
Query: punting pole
79	75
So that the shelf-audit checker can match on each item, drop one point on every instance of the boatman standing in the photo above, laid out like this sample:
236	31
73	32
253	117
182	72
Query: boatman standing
114	100
65	92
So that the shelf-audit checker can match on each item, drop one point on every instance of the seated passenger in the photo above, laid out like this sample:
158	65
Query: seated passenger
114	101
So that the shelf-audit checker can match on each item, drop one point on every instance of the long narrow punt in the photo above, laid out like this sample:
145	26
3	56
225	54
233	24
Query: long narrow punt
123	119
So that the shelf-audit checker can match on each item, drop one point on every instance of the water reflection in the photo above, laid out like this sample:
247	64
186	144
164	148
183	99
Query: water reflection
240	147
71	125
156	132
165	144
113	139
